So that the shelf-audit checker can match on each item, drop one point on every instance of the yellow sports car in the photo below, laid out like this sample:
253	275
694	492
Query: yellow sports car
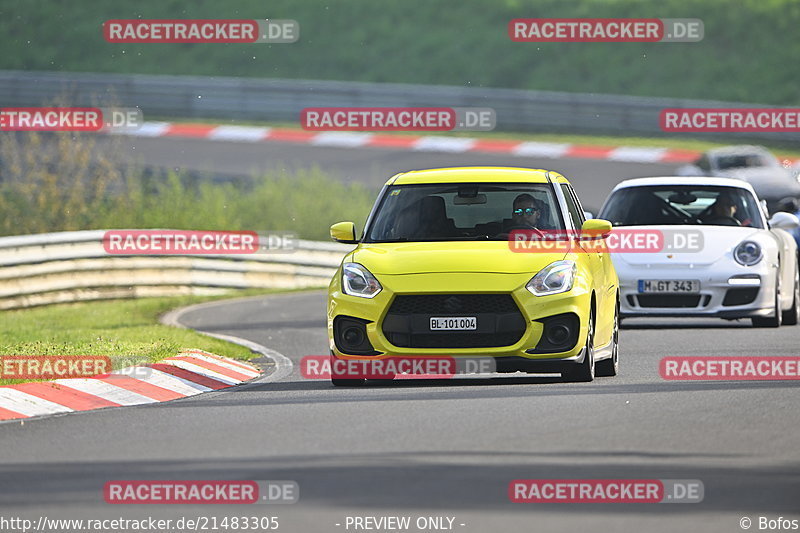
437	273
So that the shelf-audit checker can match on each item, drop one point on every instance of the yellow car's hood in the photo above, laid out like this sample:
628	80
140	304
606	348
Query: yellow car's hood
437	257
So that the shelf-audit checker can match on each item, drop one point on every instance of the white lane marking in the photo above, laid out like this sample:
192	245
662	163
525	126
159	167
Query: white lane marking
239	133
536	149
636	154
283	365
345	139
443	144
28	404
223	364
197	369
164	380
105	390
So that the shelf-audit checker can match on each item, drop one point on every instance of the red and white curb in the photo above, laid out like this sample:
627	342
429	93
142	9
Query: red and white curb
421	143
186	374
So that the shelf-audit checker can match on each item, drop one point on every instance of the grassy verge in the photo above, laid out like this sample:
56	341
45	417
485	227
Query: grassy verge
782	149
37	196
127	331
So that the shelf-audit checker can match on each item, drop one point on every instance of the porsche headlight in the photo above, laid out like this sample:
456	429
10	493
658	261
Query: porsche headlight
748	253
358	281
555	278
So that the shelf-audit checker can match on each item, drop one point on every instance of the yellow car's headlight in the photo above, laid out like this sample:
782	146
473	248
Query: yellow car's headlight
555	278
358	281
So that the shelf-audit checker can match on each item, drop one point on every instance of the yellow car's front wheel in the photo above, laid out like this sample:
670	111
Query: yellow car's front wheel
584	371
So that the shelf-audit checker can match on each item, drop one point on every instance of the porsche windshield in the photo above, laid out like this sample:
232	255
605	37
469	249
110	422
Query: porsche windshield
462	211
682	204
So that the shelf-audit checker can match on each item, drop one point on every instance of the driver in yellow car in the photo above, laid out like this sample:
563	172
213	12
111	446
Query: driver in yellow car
526	211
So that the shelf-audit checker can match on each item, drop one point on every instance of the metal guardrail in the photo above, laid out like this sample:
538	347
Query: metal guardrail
73	266
282	100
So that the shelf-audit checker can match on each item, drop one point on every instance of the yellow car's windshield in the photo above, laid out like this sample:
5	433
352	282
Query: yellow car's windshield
466	211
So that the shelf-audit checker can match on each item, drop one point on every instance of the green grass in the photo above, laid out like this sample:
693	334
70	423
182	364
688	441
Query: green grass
748	53
127	331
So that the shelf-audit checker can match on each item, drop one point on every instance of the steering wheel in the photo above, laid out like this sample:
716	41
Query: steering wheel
684	215
693	218
523	227
719	221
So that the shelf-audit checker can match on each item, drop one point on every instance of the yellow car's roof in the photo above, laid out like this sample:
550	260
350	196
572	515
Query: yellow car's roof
476	175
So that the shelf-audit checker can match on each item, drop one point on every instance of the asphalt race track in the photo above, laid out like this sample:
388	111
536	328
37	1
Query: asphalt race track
437	448
593	179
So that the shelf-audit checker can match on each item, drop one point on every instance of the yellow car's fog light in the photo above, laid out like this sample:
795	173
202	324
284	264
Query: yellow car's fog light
555	278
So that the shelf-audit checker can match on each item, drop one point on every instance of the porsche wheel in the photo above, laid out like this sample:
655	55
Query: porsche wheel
792	316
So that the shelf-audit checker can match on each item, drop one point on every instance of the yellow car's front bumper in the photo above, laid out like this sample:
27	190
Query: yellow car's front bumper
534	311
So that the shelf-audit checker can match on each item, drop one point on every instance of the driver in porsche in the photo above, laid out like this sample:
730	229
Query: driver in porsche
722	212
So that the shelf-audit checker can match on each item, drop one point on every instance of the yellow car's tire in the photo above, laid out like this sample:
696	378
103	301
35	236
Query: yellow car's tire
585	371
380	380
609	367
344	382
348	382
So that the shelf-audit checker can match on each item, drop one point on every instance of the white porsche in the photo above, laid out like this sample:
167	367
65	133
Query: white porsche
720	256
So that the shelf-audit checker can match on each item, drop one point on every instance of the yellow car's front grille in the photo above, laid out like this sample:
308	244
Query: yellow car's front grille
499	321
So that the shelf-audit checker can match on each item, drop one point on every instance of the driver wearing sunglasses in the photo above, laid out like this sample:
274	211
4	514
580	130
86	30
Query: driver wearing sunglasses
525	212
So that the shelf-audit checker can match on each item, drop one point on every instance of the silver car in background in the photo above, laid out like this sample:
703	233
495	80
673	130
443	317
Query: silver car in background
773	182
744	267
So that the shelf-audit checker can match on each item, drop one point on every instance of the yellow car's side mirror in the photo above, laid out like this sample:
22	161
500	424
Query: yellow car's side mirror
596	227
344	232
